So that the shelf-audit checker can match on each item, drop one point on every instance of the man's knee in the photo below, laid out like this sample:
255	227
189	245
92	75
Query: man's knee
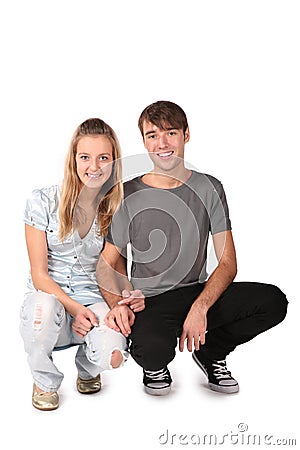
154	352
282	304
277	303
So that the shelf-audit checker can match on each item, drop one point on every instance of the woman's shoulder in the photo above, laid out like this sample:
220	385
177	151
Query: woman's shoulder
41	205
50	192
45	194
46	198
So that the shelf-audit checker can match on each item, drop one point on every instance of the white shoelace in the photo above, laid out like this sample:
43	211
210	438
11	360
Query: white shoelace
220	370
157	375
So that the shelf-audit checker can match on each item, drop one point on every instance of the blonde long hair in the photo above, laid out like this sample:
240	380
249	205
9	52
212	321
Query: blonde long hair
71	185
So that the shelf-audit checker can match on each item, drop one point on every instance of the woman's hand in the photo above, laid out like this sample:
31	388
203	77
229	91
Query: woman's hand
84	321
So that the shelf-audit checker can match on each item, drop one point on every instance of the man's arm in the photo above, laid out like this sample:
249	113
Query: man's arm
194	327
117	290
111	274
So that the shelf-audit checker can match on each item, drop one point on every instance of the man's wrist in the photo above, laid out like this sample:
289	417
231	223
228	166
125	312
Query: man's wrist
119	306
200	306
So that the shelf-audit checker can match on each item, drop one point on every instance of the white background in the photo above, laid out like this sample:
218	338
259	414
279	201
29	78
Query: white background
234	68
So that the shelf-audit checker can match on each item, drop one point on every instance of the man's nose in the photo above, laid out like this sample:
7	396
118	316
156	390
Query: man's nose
163	141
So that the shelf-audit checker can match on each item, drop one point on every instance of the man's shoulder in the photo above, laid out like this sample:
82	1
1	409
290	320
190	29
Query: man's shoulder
132	186
205	180
198	180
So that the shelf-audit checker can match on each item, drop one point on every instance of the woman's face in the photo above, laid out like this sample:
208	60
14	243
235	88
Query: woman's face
94	160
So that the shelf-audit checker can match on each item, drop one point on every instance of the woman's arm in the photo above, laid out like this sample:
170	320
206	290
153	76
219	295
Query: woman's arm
38	257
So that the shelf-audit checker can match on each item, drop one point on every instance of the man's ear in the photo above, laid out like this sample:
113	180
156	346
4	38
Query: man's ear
187	135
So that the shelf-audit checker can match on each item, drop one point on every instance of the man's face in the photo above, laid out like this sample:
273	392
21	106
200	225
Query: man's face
165	146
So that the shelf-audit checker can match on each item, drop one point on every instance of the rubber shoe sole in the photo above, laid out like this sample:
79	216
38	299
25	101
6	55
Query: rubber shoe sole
157	391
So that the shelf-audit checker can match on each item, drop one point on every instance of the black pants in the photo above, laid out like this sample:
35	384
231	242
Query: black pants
242	312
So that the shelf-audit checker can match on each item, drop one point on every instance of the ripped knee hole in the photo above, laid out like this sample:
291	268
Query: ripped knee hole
116	359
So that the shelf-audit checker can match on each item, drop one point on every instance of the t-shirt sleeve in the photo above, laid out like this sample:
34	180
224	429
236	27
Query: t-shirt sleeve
219	211
36	210
118	233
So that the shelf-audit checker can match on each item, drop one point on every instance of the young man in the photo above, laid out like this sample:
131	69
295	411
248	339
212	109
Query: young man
167	216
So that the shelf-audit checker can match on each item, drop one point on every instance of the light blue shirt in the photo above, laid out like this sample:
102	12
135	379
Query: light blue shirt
71	263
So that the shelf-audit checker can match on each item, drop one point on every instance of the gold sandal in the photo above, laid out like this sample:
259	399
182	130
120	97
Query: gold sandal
44	401
90	386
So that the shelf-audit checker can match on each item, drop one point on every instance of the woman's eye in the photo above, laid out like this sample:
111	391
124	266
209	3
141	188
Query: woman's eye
84	157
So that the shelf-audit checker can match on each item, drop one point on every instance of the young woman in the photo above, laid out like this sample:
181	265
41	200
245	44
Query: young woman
65	229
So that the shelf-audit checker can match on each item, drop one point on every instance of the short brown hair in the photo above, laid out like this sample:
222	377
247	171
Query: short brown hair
164	114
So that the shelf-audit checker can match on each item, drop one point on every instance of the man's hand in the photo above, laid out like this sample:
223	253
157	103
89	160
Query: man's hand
84	321
194	329
134	299
120	318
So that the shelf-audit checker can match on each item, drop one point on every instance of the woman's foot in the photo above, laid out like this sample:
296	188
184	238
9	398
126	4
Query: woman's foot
90	386
44	401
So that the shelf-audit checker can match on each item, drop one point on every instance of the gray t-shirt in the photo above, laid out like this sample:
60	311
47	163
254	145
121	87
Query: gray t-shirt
168	230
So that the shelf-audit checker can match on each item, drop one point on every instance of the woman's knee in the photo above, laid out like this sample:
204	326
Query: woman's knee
116	359
106	348
40	323
41	310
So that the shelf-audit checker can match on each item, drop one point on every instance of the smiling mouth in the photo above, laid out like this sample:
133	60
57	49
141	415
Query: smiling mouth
165	155
94	176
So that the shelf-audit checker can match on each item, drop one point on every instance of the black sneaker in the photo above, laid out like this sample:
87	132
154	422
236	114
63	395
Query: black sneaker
157	382
219	377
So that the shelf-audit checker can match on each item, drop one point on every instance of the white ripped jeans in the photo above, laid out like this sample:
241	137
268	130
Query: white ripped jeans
46	326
